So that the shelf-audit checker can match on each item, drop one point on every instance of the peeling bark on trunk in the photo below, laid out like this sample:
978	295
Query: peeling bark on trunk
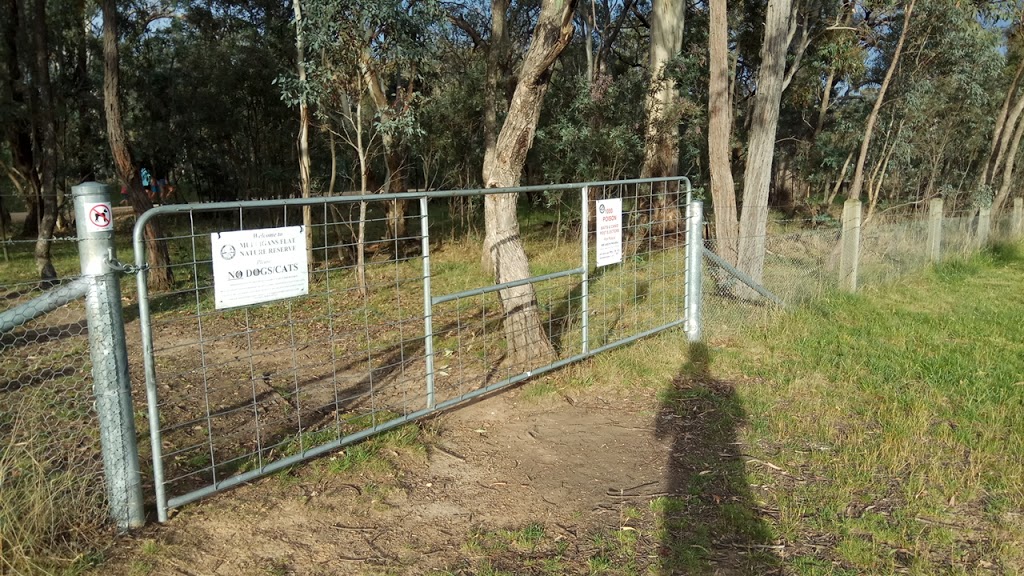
723	189
160	274
661	144
761	148
503	166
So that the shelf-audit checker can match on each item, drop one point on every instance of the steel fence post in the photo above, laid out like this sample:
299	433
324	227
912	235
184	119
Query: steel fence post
850	246
694	253
111	384
935	230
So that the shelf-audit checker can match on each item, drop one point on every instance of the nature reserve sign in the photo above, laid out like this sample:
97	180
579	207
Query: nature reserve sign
609	231
253	266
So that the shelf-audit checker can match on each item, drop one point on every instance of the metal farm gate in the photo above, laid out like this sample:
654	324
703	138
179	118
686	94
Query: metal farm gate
258	358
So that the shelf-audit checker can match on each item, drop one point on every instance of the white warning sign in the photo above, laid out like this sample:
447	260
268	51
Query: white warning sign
99	217
609	231
253	266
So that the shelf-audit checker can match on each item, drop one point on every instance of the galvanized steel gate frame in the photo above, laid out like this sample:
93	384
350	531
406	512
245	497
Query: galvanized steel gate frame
694	252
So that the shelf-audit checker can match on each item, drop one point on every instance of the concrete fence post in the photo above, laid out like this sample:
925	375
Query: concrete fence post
935	230
94	220
1018	217
984	226
849	246
694	268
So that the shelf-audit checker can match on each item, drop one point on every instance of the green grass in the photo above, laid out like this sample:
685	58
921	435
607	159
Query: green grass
875	433
901	409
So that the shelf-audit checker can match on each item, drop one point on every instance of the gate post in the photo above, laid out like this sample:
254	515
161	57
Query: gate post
94	220
984	226
694	268
850	246
935	230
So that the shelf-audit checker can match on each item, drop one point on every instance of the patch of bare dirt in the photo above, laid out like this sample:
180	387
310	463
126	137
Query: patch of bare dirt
580	466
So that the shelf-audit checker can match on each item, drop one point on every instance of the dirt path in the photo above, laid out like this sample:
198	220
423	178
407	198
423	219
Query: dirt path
582	467
494	464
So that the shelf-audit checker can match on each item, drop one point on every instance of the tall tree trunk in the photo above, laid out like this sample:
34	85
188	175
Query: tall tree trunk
826	98
988	168
394	160
496	50
723	189
302	141
869	127
1001	161
160	275
661	144
503	167
47	129
761	146
1011	161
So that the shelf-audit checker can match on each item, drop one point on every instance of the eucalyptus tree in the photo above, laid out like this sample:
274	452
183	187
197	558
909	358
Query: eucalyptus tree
663	110
160	276
761	143
869	123
378	49
503	167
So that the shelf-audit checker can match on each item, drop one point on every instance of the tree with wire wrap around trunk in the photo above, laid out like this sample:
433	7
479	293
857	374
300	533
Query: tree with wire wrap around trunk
503	167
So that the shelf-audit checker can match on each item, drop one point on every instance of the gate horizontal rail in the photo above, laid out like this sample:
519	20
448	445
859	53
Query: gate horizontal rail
235	393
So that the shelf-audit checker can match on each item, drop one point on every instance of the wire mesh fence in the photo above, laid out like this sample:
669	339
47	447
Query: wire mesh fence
802	257
239	391
393	324
51	470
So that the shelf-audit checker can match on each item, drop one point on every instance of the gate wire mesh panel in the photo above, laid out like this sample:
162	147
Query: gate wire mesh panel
644	292
240	388
52	495
252	388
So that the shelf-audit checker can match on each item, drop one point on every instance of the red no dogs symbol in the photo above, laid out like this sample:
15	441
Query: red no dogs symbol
99	216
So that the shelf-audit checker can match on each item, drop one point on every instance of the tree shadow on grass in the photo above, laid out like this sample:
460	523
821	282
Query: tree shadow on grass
709	522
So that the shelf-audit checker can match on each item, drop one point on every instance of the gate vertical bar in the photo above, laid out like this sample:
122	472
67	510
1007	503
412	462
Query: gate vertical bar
428	304
149	366
109	354
694	268
585	265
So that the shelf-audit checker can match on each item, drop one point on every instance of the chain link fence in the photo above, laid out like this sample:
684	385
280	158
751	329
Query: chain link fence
52	496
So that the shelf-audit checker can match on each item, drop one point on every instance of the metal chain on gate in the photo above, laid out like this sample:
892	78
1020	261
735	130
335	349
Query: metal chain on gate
117	265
